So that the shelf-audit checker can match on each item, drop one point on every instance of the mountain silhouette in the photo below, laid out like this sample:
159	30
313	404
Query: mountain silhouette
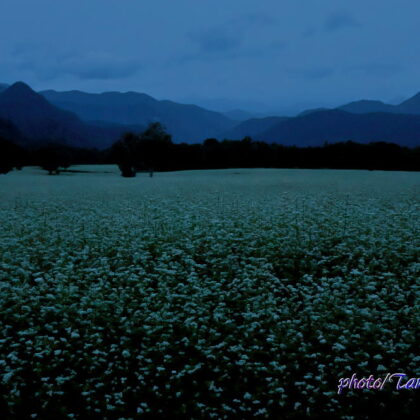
89	120
39	121
310	111
365	106
336	125
363	121
9	131
252	127
412	105
240	115
188	123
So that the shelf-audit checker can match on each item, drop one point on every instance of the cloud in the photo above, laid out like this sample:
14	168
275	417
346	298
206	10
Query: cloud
271	49
231	39
216	40
312	73
91	65
229	36
309	31
340	20
22	49
377	69
252	19
99	66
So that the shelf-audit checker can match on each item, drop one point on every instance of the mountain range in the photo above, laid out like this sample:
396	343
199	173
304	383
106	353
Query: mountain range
363	121
253	127
97	120
185	122
410	106
336	125
38	121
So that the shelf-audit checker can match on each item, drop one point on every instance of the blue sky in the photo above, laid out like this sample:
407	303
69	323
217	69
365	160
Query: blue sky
278	55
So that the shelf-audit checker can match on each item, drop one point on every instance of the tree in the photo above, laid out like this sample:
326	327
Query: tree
149	150
53	157
11	156
155	146
125	153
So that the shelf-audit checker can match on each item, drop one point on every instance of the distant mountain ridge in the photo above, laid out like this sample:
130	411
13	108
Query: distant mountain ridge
39	121
10	132
363	121
411	105
97	120
336	125
188	123
252	127
365	106
238	115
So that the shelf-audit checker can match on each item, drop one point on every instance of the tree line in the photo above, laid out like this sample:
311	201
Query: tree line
153	150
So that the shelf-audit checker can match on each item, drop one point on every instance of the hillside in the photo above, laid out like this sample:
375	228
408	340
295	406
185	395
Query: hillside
336	125
39	121
188	123
252	127
9	131
364	121
89	120
411	106
365	106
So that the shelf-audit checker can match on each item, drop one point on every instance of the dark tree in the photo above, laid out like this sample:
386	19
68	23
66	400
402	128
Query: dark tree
52	158
125	154
147	151
11	156
154	152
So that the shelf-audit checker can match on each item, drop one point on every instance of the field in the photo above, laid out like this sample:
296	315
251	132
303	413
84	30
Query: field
207	294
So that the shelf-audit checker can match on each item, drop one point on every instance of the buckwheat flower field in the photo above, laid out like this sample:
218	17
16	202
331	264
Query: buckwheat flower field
228	294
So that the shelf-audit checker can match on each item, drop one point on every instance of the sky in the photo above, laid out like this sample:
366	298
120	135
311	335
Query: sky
282	55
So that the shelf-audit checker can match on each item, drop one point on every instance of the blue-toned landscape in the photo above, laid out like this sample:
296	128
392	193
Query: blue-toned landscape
209	210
